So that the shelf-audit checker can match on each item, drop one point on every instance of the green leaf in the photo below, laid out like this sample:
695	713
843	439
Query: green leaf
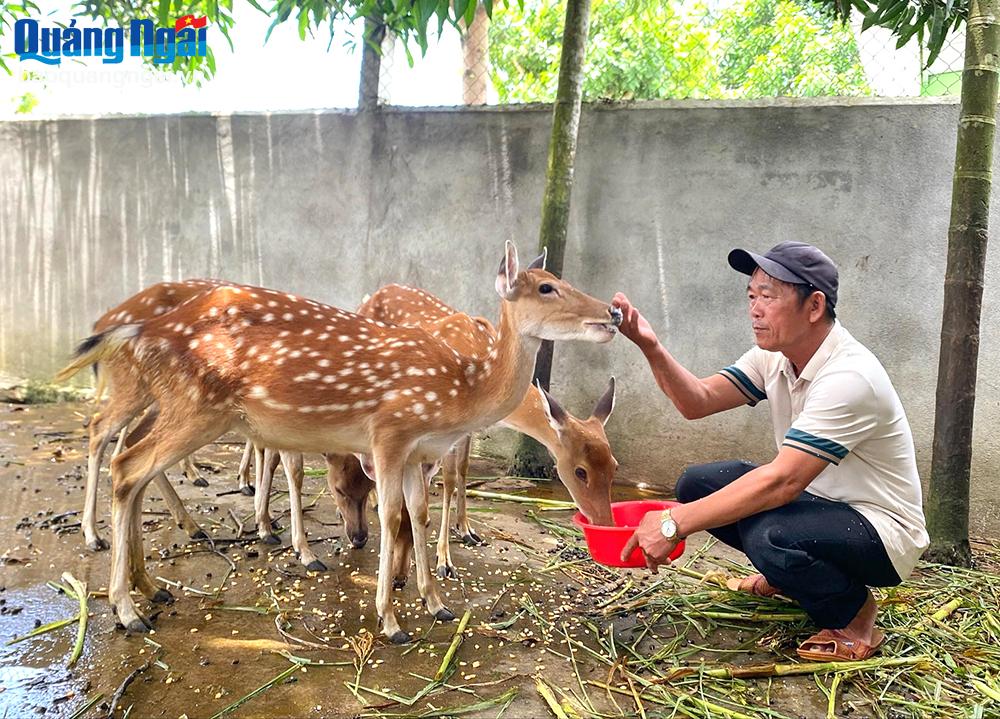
303	23
257	6
935	39
461	7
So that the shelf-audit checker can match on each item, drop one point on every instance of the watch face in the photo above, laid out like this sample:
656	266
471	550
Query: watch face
668	528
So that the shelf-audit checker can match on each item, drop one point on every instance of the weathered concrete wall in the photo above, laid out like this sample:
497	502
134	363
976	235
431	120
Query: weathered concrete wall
332	205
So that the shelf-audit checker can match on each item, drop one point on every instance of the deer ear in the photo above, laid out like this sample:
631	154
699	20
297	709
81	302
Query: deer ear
367	465
554	412
539	262
507	275
606	404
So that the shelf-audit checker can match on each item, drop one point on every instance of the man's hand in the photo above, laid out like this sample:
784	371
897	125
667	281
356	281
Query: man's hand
634	325
654	545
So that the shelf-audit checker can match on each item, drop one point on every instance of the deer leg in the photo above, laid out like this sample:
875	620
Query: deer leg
120	444
171	439
404	548
389	470
119	412
269	459
243	473
190	470
465	530
177	509
294	472
445	567
415	494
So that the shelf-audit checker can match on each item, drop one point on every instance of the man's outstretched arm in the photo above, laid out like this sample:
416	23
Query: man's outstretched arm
693	397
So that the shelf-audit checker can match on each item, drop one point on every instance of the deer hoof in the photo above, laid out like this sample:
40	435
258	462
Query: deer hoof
162	596
444	615
248	490
98	545
271	539
199	535
446	570
400	637
316	566
138	626
472	539
398	582
200	482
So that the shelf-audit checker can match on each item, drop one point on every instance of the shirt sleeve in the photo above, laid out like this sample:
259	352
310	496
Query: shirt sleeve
840	412
747	375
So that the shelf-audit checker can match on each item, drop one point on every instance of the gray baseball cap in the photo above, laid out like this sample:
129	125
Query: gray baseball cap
794	262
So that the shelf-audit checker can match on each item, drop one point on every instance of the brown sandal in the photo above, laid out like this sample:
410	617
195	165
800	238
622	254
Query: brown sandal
829	645
755	584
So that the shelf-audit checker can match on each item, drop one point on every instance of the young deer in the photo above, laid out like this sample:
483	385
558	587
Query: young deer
307	377
583	456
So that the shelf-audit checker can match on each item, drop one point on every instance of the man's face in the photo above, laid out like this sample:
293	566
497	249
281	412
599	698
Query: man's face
778	319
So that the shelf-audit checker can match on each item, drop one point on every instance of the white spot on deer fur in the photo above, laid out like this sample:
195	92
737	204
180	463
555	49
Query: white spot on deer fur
414	372
346	371
252	351
431	396
179	327
207	337
324	336
276	344
284	333
270	403
193	344
344	338
272	303
159	310
329	378
307	331
258	391
269	317
232	311
244	365
295	354
431	371
306	409
424	418
453	392
390	395
288	316
303	312
213	312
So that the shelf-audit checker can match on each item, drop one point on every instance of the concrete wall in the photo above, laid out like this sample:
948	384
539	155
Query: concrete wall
333	205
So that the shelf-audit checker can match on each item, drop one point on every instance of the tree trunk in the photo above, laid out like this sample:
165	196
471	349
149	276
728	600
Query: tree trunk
948	499
371	63
475	49
530	458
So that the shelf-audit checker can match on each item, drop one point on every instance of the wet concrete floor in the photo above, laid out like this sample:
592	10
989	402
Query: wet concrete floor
232	630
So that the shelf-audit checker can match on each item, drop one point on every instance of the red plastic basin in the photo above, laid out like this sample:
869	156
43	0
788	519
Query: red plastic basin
606	543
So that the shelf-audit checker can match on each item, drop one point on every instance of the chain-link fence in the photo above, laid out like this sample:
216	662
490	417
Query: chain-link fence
703	49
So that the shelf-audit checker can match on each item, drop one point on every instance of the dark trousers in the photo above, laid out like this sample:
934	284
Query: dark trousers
822	554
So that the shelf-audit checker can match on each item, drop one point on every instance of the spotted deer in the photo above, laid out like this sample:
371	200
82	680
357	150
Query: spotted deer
298	375
584	461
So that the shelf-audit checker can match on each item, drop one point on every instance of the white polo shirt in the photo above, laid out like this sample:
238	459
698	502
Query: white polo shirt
842	408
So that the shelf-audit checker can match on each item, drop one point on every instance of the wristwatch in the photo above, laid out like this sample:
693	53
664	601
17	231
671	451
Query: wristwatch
668	527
